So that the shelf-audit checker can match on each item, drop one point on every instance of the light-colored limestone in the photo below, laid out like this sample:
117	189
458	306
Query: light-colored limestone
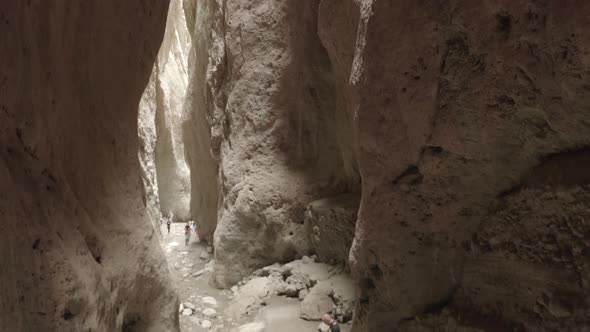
162	104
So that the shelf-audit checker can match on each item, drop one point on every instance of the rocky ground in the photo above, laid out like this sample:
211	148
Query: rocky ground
189	266
290	297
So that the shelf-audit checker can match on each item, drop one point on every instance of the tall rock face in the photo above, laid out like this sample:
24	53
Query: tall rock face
473	131
146	131
469	124
162	108
275	139
203	107
74	249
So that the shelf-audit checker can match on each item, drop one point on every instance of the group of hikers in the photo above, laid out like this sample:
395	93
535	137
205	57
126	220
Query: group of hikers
188	228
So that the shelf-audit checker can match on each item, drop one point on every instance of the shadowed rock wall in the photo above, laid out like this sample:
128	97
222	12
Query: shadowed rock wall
74	247
459	102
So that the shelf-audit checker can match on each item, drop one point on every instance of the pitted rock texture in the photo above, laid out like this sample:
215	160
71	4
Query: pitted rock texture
275	140
146	132
76	249
459	103
163	101
330	223
203	105
445	110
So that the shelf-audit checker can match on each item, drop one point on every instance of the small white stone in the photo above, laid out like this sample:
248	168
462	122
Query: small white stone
187	312
210	301
234	289
206	324
189	305
181	308
210	312
200	273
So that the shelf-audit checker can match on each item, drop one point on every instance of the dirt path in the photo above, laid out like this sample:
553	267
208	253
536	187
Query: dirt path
190	276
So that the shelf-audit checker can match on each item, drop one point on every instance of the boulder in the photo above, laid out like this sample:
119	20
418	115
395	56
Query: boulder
317	303
209	312
206	324
189	305
208	300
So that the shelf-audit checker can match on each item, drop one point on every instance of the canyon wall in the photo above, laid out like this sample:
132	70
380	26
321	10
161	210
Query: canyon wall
146	132
467	114
75	251
275	139
162	107
467	121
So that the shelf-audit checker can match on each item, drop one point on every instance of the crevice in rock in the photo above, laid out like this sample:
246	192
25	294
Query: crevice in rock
559	170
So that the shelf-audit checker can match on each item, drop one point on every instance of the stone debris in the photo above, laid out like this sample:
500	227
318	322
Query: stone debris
210	312
208	300
200	273
206	324
189	305
321	288
251	327
187	312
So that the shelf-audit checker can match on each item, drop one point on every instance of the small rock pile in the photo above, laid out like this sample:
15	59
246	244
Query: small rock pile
203	314
321	289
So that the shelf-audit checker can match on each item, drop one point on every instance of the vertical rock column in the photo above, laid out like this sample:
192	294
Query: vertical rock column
203	109
163	157
265	133
146	129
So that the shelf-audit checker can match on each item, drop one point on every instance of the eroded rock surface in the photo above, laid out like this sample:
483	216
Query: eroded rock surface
458	106
330	223
162	107
76	248
275	140
444	109
321	289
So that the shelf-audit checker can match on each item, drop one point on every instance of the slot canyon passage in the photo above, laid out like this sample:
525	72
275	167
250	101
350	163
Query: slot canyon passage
404	165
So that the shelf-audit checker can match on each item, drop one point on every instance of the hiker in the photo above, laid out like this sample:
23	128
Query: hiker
168	225
331	322
187	233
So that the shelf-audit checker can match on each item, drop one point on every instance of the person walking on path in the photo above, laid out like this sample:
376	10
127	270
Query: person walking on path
331	322
187	234
168	225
